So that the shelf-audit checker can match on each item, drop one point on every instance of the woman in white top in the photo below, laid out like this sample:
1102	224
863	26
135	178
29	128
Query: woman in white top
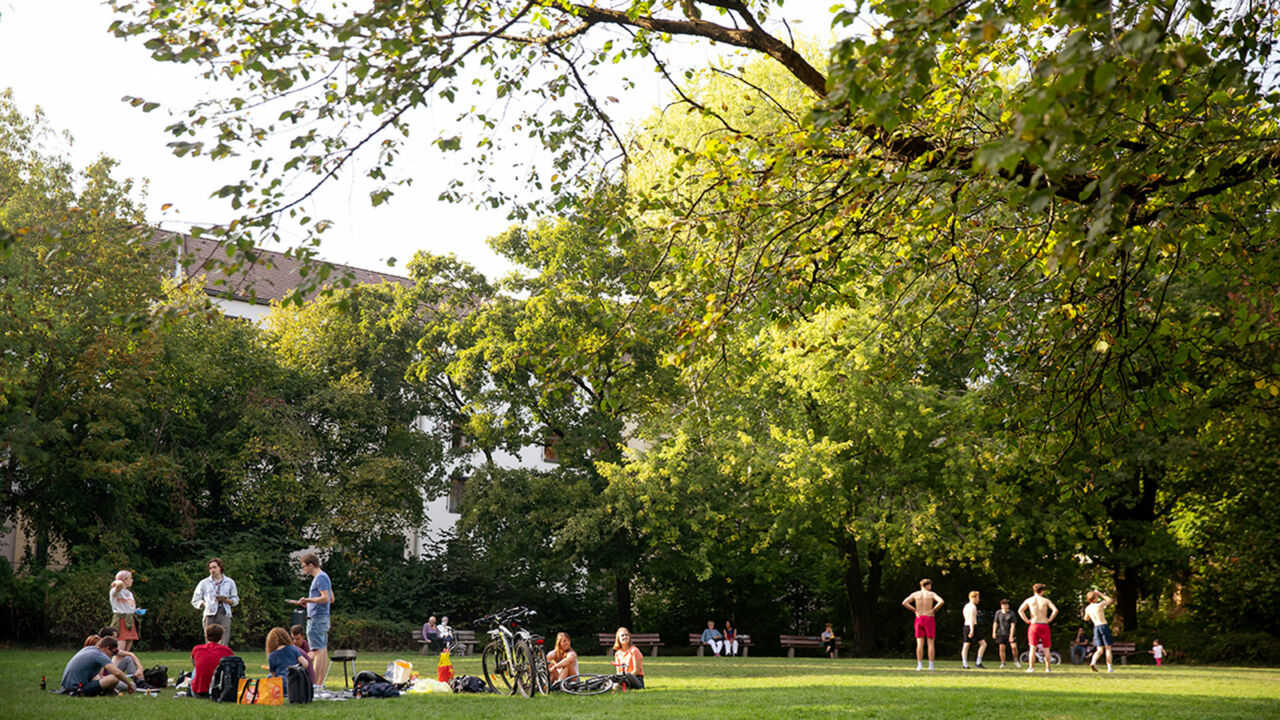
562	661
124	610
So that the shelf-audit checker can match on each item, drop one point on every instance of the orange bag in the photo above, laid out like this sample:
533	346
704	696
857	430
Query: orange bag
265	691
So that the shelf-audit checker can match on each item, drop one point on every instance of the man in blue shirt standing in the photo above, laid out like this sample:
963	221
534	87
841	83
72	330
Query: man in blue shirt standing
319	598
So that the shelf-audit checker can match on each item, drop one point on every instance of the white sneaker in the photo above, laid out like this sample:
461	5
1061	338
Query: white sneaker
1001	666
919	667
1017	663
1031	669
931	665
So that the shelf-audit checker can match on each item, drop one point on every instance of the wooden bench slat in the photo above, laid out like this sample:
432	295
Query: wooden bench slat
791	642
651	640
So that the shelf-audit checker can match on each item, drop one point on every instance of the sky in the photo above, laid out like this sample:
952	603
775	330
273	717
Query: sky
58	55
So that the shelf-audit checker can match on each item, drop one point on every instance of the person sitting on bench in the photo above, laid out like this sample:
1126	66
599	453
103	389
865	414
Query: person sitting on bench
711	638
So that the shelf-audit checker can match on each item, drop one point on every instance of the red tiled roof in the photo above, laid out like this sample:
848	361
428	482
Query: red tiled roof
271	278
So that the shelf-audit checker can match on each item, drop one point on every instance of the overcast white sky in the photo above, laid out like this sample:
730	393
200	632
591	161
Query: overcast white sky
58	55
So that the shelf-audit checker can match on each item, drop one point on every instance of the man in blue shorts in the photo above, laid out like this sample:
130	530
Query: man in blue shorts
318	600
80	677
1097	613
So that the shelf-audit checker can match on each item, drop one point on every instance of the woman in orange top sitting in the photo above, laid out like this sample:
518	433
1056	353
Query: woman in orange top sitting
629	659
562	661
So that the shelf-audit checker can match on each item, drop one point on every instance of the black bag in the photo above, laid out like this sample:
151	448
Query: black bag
226	679
378	690
467	684
156	677
298	685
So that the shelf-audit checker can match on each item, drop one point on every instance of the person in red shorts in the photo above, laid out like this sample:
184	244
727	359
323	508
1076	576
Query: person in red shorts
205	659
1037	612
924	603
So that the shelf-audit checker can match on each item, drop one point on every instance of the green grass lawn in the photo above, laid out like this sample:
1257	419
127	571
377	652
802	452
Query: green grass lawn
747	688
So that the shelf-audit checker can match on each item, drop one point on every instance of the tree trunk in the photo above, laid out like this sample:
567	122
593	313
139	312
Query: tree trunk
1127	590
862	598
622	584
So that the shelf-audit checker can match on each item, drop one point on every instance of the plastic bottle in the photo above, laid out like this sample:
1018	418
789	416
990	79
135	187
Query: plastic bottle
42	685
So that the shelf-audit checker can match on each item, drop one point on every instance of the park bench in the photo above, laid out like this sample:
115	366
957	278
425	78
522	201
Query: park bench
464	642
649	640
1123	650
744	642
791	642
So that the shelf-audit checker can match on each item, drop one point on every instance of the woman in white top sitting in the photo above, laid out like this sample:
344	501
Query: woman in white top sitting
562	660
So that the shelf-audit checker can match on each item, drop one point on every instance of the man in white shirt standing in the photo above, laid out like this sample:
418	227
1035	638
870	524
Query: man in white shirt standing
970	631
216	595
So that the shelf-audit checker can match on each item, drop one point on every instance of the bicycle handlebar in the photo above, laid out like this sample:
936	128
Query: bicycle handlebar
511	613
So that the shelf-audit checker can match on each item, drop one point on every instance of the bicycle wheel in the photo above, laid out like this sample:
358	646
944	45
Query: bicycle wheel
586	684
523	670
496	673
541	672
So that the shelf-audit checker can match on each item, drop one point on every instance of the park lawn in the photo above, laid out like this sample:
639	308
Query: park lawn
745	688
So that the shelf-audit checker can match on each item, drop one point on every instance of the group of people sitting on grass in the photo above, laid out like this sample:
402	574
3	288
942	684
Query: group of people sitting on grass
102	667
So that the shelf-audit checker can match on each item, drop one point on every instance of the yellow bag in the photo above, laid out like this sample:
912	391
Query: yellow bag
265	691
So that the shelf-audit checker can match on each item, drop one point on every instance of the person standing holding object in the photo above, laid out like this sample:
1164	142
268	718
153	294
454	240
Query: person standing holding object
1096	612
1037	612
216	595
924	603
124	610
1002	631
318	600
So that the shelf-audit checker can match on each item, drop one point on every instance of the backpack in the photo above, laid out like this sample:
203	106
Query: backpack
370	684
298	685
226	679
156	677
467	684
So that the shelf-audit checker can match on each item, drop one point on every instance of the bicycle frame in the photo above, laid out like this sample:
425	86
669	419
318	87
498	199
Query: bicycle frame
509	635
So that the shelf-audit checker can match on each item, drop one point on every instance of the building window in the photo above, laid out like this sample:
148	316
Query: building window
456	488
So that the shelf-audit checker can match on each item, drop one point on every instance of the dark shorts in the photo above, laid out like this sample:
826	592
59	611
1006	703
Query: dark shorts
967	635
89	689
1004	636
1102	636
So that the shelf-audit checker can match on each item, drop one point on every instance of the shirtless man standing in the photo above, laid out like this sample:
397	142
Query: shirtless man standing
924	603
970	631
1097	613
1037	612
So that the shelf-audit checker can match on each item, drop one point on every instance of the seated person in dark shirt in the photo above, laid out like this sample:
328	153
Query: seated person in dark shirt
282	654
205	659
300	639
81	674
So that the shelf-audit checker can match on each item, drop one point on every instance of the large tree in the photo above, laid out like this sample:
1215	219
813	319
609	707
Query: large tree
73	369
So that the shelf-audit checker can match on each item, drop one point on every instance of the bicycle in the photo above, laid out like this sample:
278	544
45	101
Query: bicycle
591	684
1054	657
514	656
